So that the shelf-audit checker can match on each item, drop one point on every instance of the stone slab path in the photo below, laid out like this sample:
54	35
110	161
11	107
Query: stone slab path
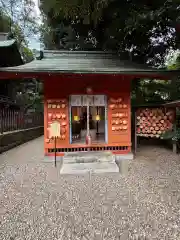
89	162
38	203
82	168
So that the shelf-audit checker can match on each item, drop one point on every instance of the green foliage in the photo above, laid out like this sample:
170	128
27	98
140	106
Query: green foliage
4	22
87	10
29	94
21	17
173	134
153	91
176	64
168	135
143	29
27	54
174	86
64	36
18	35
7	25
150	91
16	17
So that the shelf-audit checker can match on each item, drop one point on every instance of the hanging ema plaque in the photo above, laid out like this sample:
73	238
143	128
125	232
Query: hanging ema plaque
54	130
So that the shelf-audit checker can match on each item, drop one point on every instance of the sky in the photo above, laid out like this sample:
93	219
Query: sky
34	42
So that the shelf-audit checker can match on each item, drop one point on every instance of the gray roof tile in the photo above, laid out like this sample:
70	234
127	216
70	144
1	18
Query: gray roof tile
84	62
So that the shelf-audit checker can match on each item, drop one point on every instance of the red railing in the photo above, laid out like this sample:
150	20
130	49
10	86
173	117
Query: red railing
12	120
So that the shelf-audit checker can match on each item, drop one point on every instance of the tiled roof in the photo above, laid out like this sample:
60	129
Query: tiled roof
9	54
85	62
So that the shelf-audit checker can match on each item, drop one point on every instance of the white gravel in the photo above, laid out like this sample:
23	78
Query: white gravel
38	203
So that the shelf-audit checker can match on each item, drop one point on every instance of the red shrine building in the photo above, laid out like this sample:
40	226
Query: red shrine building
86	91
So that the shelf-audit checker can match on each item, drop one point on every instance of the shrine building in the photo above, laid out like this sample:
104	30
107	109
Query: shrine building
89	94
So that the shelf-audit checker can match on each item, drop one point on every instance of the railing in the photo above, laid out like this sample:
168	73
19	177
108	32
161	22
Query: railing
12	120
6	99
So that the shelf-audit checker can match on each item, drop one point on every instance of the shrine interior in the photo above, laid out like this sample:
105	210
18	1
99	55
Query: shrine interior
78	124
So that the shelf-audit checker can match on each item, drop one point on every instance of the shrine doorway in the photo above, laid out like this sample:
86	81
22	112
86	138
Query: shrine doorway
79	122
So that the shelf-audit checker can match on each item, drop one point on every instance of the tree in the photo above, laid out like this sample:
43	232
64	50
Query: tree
141	30
65	35
26	92
27	54
17	27
174	87
29	93
158	91
21	14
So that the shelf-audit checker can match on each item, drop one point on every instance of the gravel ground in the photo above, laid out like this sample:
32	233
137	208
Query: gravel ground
36	202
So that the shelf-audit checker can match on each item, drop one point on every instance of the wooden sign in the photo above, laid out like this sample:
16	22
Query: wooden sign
76	100
84	100
99	100
88	100
55	130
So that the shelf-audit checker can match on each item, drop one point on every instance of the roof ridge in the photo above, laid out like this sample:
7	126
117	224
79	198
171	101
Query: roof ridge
79	51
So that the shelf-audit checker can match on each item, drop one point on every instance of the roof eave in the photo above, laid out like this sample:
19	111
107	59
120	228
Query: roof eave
172	73
172	104
7	43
